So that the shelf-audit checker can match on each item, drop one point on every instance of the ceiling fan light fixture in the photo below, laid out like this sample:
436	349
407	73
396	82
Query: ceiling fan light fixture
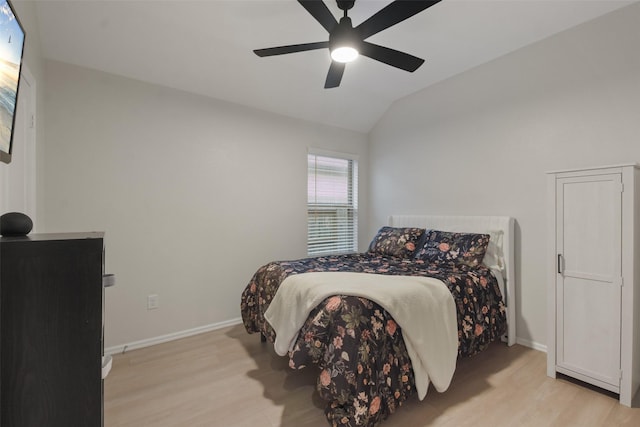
344	42
344	54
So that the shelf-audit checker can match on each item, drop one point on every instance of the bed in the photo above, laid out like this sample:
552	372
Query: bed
372	350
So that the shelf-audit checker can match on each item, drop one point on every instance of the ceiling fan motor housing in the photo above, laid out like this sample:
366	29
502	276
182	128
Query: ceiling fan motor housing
344	35
345	4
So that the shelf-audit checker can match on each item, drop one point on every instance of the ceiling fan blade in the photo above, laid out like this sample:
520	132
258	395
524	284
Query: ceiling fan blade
334	76
391	57
390	15
321	12
281	50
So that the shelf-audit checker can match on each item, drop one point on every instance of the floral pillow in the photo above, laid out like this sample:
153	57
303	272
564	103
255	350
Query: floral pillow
396	242
455	249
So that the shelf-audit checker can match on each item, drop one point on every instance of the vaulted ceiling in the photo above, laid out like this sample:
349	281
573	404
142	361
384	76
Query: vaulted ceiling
205	47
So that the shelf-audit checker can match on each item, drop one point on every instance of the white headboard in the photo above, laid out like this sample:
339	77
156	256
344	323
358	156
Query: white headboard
500	251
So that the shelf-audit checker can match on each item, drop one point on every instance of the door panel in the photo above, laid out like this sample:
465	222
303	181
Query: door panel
591	333
589	281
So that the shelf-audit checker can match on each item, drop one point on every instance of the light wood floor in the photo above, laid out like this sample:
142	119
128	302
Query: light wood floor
228	378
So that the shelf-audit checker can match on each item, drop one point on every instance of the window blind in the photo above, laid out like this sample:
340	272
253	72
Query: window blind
332	205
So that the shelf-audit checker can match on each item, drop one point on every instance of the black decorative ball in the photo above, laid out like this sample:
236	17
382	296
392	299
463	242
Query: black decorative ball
15	224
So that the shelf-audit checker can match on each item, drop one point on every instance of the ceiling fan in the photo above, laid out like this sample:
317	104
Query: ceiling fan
346	42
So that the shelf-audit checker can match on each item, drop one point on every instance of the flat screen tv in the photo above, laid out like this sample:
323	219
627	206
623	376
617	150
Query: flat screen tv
11	50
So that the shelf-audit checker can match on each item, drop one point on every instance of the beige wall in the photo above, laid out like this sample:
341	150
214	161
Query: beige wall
480	143
194	194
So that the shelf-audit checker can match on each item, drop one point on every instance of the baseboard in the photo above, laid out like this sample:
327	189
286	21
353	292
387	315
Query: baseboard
122	348
531	344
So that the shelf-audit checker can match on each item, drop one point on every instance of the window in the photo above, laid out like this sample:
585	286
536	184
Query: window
332	204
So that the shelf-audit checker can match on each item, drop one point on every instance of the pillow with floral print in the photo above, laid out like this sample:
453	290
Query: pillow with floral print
444	248
396	242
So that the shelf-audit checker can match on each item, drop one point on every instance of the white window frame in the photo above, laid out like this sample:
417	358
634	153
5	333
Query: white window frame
340	233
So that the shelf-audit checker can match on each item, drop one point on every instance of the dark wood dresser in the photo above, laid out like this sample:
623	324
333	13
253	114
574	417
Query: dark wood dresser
51	330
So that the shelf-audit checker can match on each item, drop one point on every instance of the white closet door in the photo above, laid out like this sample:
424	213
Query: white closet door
589	277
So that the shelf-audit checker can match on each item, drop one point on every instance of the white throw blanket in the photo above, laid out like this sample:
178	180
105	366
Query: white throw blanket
422	306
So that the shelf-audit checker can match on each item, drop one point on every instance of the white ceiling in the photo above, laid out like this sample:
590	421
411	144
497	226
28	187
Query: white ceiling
205	47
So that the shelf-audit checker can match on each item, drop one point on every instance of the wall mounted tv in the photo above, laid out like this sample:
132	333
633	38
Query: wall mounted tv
11	50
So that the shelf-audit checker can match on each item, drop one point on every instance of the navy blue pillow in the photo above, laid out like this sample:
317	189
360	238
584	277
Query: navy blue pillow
444	248
396	242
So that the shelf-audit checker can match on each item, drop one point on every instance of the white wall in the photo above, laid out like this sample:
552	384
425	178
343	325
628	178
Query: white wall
480	143
194	194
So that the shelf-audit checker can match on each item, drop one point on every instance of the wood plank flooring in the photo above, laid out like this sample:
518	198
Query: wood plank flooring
228	378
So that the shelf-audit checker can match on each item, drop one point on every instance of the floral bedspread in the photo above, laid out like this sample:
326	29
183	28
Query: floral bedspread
365	371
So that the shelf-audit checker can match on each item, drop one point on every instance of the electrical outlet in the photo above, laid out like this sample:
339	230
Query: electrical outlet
152	301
